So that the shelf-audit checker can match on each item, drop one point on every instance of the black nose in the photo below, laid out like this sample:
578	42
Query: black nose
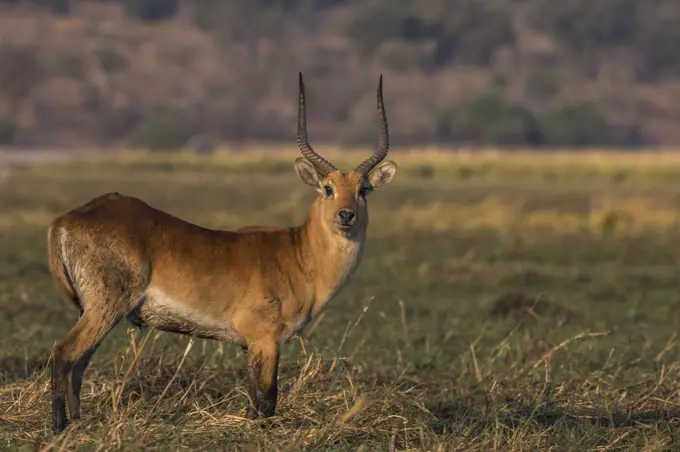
346	216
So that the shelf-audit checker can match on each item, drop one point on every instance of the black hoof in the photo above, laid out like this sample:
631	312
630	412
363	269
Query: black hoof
254	414
59	427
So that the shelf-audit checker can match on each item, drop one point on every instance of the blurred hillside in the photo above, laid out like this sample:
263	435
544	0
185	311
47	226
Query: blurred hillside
153	73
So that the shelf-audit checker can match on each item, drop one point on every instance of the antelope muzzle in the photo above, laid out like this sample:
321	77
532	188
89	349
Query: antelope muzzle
345	218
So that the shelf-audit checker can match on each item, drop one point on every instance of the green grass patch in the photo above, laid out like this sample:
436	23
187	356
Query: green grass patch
503	310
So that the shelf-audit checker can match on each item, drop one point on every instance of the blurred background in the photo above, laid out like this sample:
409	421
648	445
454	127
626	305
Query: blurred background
523	300
152	73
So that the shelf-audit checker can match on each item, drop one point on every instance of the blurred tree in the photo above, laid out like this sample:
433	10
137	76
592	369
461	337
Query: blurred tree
383	20
8	130
489	119
657	40
59	7
153	10
577	124
163	133
465	31
21	70
543	84
584	25
469	31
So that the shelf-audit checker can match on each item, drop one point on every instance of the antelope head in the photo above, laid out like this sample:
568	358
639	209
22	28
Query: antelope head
341	204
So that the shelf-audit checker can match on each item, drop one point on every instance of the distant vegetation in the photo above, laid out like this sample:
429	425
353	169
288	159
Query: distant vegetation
576	73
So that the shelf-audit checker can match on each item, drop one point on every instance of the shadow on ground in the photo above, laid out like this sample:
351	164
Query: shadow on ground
451	417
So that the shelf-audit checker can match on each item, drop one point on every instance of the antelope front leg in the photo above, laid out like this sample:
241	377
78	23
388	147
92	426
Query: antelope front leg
263	363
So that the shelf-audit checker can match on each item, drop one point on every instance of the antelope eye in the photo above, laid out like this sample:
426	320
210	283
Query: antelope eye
362	192
328	190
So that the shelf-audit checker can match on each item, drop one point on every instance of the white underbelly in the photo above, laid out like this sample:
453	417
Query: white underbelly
166	313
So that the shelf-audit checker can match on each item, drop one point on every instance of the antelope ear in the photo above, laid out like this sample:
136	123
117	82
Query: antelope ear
308	172
382	174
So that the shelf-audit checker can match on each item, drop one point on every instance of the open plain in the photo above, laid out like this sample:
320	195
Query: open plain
506	301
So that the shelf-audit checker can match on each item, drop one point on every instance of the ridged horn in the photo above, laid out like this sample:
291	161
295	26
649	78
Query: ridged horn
383	137
319	162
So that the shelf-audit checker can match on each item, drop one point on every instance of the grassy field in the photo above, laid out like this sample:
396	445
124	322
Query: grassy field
505	302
